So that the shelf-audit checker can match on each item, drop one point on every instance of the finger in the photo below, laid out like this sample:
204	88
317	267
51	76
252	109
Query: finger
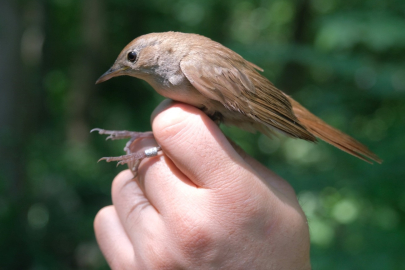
167	188
161	181
197	146
133	208
141	146
112	239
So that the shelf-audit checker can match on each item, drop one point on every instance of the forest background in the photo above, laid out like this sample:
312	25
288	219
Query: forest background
343	60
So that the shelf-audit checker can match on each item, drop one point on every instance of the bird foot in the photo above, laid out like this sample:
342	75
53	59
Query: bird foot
133	159
122	134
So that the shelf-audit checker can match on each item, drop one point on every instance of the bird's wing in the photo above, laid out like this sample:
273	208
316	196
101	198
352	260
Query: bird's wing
224	76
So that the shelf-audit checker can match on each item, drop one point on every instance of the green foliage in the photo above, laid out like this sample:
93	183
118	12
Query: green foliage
343	60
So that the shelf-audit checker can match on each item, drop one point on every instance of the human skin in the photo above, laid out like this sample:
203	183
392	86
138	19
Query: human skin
201	204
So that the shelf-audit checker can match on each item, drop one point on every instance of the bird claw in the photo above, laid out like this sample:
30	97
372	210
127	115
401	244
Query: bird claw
133	159
122	134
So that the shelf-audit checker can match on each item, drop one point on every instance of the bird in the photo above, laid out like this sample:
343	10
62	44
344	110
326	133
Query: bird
196	70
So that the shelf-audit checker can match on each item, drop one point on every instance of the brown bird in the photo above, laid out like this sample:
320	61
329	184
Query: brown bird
201	72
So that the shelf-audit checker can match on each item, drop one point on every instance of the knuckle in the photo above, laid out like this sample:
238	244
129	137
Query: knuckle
120	181
133	214
195	239
102	215
173	121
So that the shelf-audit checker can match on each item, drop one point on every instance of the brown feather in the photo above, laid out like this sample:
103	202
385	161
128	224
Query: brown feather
226	77
196	70
331	135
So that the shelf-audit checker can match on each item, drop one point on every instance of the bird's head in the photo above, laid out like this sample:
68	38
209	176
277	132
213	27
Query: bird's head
138	59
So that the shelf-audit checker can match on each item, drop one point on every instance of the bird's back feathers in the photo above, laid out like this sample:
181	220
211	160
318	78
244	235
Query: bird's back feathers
223	75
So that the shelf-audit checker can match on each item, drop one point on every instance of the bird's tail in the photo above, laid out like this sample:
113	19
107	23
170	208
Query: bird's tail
331	135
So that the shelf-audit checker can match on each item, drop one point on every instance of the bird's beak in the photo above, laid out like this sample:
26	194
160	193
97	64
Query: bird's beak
111	73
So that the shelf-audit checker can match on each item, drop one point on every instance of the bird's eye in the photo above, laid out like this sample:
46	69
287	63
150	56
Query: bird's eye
131	56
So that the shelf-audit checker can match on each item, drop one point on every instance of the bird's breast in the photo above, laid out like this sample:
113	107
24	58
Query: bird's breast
178	88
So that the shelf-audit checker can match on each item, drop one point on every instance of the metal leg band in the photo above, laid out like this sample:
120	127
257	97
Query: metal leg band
151	152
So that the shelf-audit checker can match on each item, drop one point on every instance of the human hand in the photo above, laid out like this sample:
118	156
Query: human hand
201	205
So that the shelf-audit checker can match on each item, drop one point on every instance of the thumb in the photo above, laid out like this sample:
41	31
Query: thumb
196	145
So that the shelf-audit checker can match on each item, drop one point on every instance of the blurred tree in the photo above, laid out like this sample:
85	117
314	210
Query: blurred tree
342	60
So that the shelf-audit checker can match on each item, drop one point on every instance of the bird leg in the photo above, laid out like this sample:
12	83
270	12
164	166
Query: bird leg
133	159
